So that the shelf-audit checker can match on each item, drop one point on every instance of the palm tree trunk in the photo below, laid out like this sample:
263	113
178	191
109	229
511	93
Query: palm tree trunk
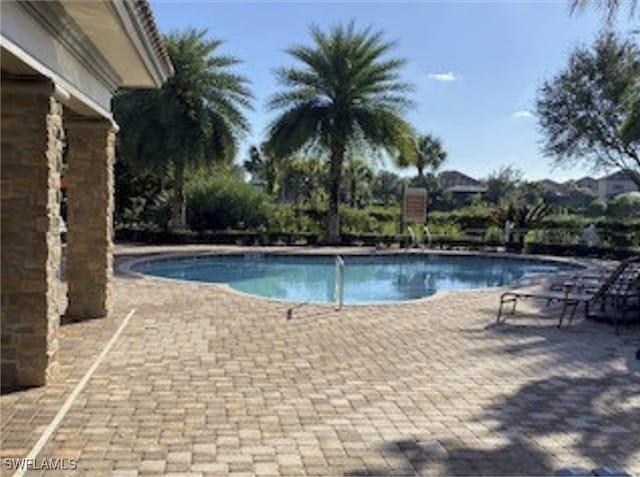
179	206
335	175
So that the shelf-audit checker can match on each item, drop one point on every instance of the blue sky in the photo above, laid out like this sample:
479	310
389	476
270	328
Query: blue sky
475	65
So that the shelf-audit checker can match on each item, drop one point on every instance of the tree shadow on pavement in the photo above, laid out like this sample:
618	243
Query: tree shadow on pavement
545	426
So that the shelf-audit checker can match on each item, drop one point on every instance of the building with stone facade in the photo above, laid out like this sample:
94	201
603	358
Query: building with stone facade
62	61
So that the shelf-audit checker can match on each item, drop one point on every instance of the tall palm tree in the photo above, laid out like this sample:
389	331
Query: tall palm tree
430	154
345	95
196	117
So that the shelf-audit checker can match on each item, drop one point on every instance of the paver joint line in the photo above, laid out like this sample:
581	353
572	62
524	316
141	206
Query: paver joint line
62	412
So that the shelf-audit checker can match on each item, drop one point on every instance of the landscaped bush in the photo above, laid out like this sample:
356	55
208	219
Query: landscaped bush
384	213
449	229
494	234
221	202
353	220
470	217
287	218
597	208
625	206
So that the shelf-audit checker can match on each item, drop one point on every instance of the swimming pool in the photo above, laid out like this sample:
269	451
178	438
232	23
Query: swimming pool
367	278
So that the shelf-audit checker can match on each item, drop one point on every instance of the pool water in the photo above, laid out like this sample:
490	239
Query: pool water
368	278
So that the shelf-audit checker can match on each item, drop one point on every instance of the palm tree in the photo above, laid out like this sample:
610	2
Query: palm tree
196	117
345	96
429	154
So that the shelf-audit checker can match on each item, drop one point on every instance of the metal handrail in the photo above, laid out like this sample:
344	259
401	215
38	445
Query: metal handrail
412	234
338	282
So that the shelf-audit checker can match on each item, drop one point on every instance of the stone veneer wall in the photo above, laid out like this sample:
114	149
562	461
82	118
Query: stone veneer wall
32	145
89	216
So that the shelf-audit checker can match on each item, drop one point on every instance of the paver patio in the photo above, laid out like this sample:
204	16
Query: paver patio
206	381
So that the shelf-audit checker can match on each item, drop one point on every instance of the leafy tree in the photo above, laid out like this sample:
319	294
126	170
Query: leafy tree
630	130
345	96
387	187
503	184
220	202
264	167
582	110
358	175
631	126
302	180
429	154
136	193
610	7
530	192
196	117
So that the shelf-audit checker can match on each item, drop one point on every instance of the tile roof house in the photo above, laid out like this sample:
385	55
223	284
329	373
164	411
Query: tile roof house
458	183
61	63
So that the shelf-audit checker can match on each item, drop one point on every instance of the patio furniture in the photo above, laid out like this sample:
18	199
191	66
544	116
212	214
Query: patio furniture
617	290
617	303
589	279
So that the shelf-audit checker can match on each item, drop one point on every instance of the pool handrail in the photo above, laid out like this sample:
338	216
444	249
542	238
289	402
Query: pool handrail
338	282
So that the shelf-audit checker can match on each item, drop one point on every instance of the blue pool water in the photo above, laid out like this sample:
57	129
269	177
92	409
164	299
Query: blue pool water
380	278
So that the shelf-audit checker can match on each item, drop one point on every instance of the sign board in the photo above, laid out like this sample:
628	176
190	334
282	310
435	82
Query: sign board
414	208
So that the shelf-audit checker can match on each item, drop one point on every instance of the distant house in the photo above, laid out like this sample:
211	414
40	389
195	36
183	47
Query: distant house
568	194
615	184
553	188
460	185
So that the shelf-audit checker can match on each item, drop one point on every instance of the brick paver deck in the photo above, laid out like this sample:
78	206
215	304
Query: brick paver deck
206	381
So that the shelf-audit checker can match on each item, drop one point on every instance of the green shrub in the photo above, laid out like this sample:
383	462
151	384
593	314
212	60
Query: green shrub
597	208
221	202
494	234
450	229
287	218
477	216
384	213
625	205
353	220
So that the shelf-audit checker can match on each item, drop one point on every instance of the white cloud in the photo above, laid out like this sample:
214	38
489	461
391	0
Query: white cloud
448	76
522	114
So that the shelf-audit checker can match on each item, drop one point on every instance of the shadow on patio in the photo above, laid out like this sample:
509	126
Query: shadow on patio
545	420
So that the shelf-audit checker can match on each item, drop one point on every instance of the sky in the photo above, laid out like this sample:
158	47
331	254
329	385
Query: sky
475	65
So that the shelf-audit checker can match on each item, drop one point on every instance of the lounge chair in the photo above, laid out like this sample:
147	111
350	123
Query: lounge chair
623	292
620	287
